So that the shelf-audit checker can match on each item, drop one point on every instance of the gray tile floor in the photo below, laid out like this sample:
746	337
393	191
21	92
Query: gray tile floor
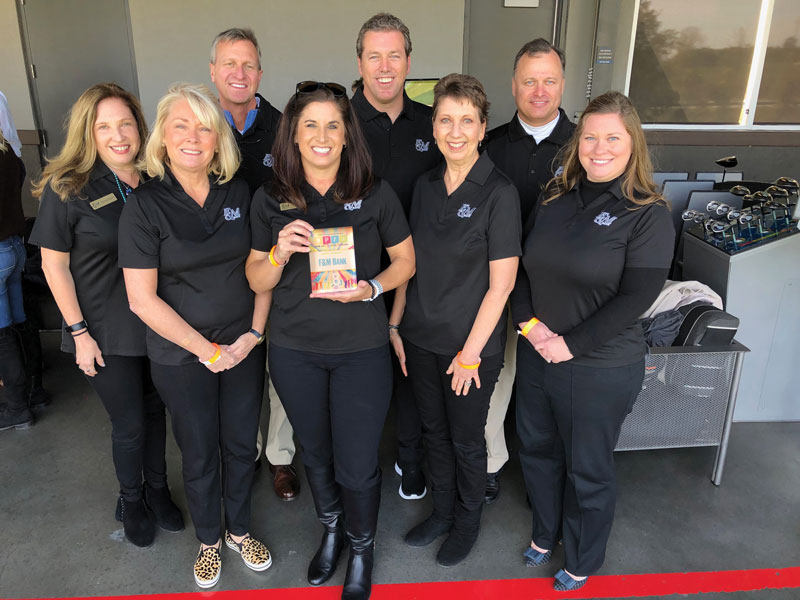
59	536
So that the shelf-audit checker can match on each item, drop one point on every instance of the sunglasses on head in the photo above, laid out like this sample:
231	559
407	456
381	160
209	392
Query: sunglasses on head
309	87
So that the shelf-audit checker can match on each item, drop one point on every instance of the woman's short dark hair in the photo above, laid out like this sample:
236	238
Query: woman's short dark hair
354	179
462	87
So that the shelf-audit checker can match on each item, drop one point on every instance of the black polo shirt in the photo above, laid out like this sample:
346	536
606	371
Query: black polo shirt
528	164
574	260
256	145
403	150
12	175
199	253
317	324
89	234
455	237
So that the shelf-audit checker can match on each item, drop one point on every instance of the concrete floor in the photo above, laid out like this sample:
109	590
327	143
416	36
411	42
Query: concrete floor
59	536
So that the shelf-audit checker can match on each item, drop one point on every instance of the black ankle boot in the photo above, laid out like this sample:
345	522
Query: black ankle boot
139	529
435	525
463	535
38	397
361	514
327	501
31	345
16	413
165	514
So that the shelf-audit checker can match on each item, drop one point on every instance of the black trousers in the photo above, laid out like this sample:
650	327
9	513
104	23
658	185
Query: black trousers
215	415
138	422
453	426
337	405
410	452
568	420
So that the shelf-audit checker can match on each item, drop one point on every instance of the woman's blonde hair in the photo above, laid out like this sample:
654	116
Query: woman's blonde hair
204	105
68	172
637	179
3	144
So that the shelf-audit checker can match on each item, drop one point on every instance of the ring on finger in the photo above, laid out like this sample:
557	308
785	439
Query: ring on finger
468	382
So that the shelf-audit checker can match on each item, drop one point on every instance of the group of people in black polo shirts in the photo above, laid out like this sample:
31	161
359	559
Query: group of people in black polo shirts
168	253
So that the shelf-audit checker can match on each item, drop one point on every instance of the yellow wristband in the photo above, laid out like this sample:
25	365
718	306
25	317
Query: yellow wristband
463	366
272	260
214	357
529	325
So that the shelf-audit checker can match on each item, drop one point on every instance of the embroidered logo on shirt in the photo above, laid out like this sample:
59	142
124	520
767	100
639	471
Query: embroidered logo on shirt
231	214
465	212
353	205
604	219
559	171
422	146
268	162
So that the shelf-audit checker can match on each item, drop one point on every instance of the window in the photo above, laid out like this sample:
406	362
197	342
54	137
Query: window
717	63
779	95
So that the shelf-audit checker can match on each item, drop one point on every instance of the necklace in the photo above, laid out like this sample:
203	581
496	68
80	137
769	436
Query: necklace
123	194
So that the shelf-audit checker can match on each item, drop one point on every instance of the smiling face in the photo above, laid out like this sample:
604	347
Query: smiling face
190	145
537	86
384	65
236	72
320	138
116	134
457	129
605	147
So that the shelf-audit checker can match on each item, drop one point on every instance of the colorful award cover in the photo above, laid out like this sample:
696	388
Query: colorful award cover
333	260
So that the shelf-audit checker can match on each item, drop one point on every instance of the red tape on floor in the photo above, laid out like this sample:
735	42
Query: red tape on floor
599	586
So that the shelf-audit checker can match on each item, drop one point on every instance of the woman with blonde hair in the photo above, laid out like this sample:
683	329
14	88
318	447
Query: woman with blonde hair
596	257
184	239
82	191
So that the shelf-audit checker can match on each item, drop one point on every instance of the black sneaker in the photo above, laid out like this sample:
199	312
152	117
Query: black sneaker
412	486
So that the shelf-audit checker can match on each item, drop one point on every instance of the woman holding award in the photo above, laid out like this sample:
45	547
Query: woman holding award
329	349
465	218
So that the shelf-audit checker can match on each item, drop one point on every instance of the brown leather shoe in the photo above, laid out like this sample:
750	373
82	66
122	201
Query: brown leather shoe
285	481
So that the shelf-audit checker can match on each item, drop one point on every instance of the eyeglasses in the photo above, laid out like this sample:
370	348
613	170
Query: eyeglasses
309	87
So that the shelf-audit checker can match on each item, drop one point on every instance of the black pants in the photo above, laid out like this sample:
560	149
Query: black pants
138	422
213	415
410	452
453	426
568	420
337	405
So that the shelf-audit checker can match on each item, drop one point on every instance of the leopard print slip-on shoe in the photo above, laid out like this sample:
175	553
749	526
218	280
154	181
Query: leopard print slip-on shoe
254	554
207	567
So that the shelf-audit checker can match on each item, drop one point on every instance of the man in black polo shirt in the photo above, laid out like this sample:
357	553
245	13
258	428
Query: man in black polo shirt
526	150
399	132
236	71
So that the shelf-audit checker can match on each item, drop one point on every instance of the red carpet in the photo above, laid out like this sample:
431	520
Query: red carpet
603	586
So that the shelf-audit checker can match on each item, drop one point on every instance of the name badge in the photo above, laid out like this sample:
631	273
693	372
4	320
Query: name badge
287	206
104	201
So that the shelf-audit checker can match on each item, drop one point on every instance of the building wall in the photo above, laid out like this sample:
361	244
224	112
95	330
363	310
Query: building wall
495	35
13	76
300	39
